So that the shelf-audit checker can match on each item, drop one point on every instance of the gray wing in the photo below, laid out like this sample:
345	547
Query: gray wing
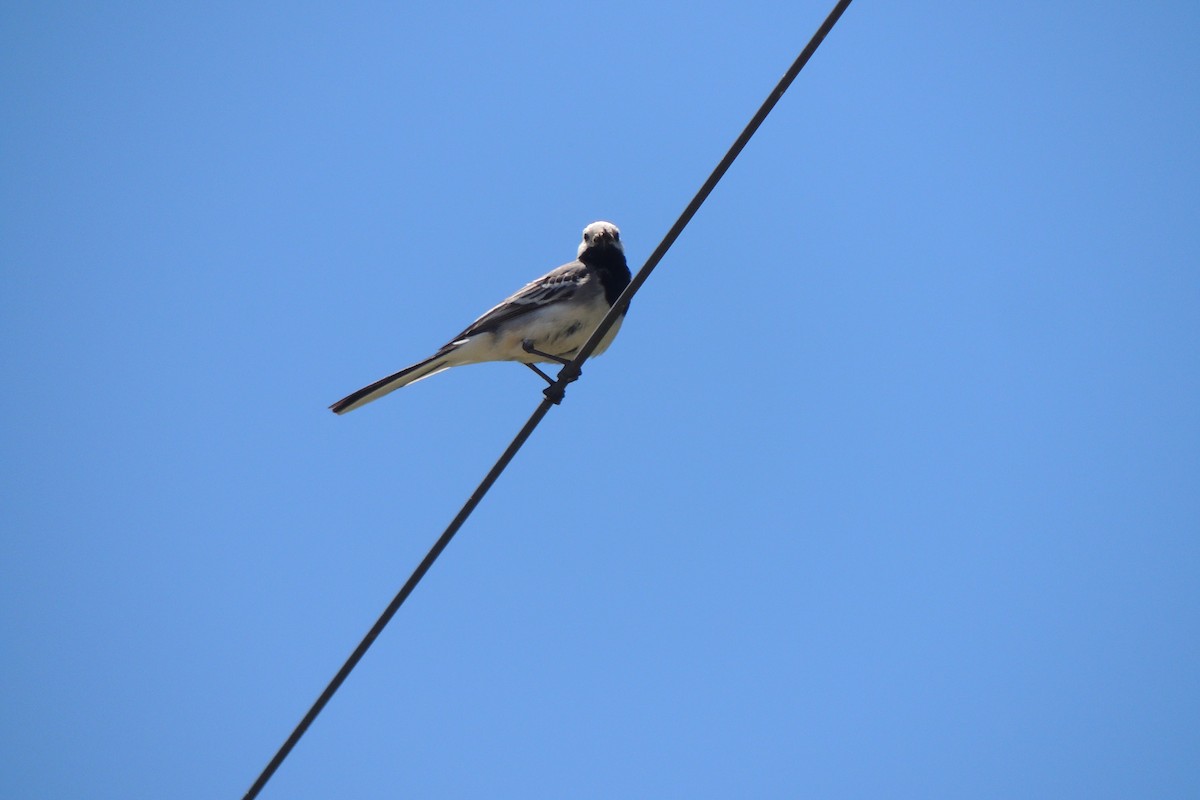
557	286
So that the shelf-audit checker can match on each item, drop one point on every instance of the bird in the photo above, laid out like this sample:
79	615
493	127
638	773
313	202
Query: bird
547	320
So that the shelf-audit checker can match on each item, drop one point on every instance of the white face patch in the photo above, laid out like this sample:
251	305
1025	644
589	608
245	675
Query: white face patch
598	230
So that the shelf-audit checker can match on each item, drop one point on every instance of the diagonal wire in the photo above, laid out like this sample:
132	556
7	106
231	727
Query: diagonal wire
554	395
571	371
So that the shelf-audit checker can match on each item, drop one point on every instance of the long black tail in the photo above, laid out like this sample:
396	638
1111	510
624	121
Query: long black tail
391	383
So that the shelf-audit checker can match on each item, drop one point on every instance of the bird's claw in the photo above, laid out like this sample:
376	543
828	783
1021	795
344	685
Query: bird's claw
554	393
557	388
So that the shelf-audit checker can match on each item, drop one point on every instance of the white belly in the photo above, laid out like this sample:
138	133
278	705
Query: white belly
559	329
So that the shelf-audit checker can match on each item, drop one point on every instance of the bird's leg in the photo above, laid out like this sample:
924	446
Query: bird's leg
546	377
528	347
554	392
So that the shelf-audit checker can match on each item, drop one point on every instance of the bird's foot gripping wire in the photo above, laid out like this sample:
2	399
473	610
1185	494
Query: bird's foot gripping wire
556	390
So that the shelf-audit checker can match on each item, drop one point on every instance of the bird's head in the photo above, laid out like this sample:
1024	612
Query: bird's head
600	235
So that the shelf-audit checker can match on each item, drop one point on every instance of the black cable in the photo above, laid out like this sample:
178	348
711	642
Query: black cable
571	371
399	599
554	395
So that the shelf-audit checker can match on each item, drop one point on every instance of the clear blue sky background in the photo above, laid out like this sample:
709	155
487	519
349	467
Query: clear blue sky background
890	486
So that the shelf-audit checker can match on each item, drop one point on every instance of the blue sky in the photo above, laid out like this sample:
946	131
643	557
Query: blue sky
889	487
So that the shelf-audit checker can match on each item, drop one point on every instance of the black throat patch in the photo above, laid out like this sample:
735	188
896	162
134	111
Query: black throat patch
609	263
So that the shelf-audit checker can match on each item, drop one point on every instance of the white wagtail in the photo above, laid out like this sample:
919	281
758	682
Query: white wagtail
547	320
